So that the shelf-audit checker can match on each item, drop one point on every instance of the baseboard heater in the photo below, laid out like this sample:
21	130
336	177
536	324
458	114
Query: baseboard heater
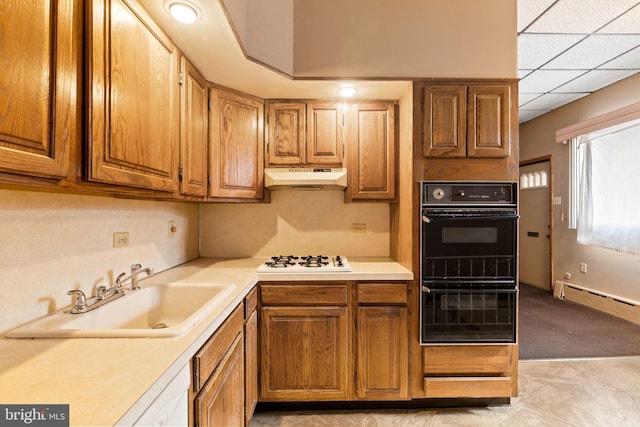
598	300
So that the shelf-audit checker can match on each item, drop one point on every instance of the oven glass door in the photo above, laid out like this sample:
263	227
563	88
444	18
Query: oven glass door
451	233
476	246
468	316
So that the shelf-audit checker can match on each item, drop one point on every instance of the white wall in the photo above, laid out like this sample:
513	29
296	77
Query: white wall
51	243
296	222
609	271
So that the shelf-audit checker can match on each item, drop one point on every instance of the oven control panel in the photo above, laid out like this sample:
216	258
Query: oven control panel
468	193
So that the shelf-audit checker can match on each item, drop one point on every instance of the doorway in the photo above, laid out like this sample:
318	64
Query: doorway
535	223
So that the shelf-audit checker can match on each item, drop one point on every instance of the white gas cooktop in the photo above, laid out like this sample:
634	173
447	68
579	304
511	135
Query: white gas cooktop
305	264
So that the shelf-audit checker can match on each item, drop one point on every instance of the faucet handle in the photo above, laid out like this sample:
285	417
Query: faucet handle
80	302
136	267
118	285
101	292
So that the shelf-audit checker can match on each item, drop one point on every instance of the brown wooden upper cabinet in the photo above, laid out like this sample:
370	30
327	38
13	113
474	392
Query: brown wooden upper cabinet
194	121
325	133
133	98
39	86
305	133
467	120
286	138
370	151
236	154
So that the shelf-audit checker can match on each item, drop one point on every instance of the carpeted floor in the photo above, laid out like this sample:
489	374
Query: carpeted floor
550	328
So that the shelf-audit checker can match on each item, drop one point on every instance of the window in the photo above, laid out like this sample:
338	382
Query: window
608	205
531	180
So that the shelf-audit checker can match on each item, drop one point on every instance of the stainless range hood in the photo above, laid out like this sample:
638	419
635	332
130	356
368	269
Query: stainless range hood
305	178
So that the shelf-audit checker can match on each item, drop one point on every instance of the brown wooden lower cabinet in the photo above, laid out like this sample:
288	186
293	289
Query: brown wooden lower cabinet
382	341
471	387
304	353
473	371
382	361
304	330
333	341
221	400
218	383
251	354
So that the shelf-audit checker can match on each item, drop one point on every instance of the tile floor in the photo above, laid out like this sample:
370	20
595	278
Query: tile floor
561	392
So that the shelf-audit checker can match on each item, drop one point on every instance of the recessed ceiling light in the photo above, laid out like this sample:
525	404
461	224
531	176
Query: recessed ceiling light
183	11
347	91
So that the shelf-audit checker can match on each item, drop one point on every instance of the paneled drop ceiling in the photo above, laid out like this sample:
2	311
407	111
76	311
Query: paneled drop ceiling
568	49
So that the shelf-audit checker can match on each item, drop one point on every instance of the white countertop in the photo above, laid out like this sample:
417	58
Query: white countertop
111	381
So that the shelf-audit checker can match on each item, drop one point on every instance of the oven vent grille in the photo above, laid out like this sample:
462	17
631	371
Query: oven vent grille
490	267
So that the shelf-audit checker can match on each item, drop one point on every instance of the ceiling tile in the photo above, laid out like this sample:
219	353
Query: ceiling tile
534	50
542	81
626	61
594	51
594	80
524	98
551	101
580	16
628	23
529	10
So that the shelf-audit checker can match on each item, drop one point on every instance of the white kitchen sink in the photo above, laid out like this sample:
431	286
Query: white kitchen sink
159	310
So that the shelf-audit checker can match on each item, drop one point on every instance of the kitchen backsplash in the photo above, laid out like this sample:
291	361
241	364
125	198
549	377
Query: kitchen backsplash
295	222
55	242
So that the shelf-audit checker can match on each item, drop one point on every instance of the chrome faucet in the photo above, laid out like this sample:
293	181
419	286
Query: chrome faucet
81	303
136	269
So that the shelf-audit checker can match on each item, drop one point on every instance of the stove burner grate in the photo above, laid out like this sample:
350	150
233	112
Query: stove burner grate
282	261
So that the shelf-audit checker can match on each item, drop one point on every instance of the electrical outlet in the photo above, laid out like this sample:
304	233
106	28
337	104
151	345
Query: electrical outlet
583	267
120	239
358	228
172	229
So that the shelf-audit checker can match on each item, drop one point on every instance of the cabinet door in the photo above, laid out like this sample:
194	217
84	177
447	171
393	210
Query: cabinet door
303	354
194	110
221	400
236	146
251	364
371	151
444	121
325	133
133	98
286	144
38	86
488	121
456	371
382	353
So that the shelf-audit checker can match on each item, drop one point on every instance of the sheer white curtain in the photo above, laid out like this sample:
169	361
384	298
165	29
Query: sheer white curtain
609	210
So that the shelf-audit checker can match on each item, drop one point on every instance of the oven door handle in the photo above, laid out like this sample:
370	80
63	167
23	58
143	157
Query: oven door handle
428	290
442	218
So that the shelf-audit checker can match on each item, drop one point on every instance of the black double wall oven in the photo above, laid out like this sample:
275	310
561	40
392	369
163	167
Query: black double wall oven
468	262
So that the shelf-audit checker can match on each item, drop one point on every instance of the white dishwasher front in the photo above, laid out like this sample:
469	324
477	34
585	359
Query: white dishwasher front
171	407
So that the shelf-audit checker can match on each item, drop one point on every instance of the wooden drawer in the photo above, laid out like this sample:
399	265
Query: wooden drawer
250	302
475	387
466	360
328	293
382	293
207	358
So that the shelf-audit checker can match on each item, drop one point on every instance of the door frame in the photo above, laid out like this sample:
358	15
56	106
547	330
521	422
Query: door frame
542	159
